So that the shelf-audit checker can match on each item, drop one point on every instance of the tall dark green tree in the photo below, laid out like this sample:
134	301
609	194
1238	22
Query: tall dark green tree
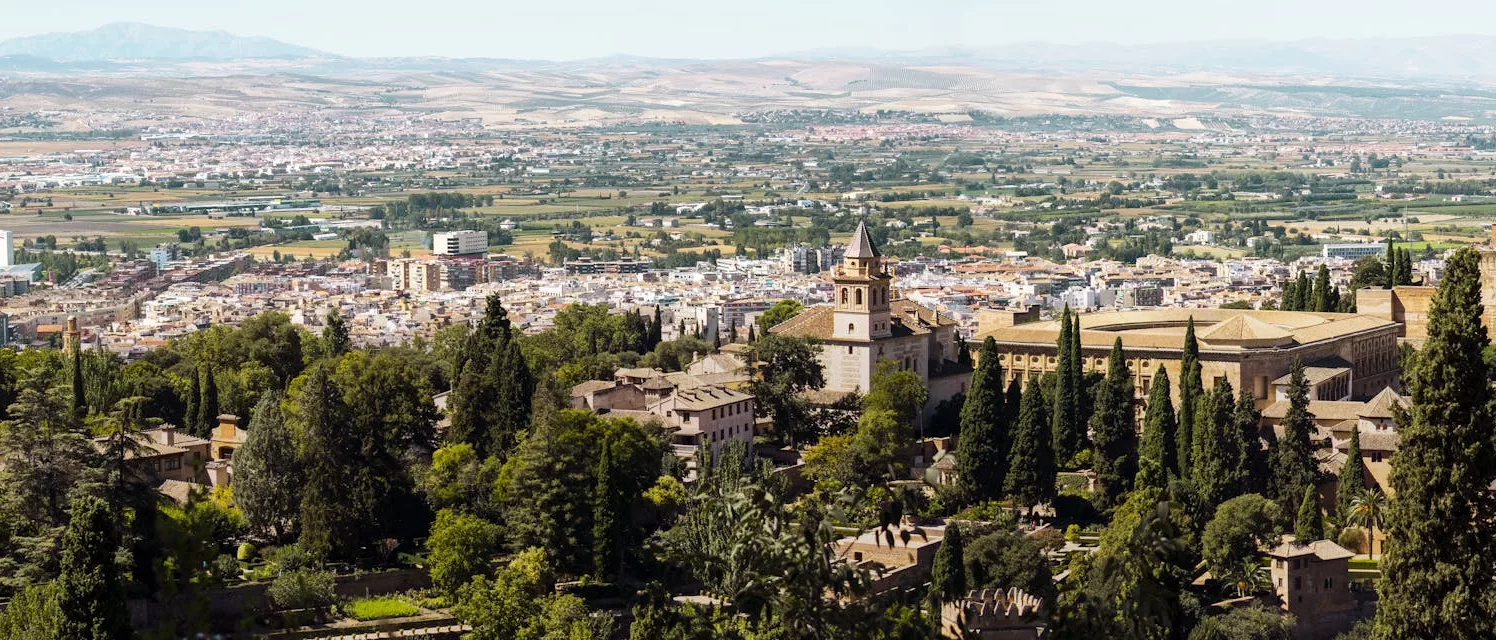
1293	455
1393	268
92	596
329	516
207	405
492	397
194	396
1441	546
1310	524
948	575
1352	477
1254	456
1114	431
1159	437
1217	459
1031	460
1190	391
80	397
1068	430
981	454
1322	290
335	337
608	518
267	472
1304	290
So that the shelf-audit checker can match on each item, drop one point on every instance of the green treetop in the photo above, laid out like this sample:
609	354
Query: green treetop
1114	431
1293	456
1439	555
1031	462
1310	525
981	454
1159	438
1190	391
1352	477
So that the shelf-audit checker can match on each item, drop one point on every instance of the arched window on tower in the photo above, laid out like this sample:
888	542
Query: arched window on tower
844	295
851	328
858	295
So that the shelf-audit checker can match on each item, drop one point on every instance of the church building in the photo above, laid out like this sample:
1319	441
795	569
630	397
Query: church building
867	324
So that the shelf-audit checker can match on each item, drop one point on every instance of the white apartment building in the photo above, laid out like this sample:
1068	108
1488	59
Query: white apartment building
459	243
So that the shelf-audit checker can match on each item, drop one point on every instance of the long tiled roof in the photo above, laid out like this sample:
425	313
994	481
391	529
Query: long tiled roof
1135	328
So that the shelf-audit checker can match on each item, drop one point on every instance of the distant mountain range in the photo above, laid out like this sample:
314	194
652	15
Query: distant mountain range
135	41
1450	57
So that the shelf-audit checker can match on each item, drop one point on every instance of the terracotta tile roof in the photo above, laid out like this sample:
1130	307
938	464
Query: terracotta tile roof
1323	549
814	322
1381	405
1319	409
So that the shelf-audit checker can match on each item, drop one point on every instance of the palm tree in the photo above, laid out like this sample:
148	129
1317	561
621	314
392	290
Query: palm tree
1367	511
1249	578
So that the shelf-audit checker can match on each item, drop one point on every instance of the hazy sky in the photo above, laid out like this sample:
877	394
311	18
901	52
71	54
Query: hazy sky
568	29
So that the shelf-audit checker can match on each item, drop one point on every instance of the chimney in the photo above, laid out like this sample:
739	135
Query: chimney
168	435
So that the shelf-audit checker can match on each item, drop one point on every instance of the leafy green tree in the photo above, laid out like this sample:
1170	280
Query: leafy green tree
461	546
91	592
1031	461
1068	429
981	454
1006	559
1367	510
1159	438
948	575
267	472
335	339
33	614
1352	476
1241	526
1190	392
458	480
1114	431
1309	525
1293	456
302	588
790	367
1249	623
547	487
896	390
1254	455
781	311
389	413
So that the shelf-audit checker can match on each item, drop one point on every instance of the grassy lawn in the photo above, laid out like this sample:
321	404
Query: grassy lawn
380	608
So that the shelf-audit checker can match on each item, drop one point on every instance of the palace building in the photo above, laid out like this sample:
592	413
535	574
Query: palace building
1346	356
866	324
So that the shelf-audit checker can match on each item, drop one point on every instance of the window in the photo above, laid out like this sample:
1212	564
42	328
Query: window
858	296
1376	456
173	464
849	348
1298	582
1329	582
844	295
851	328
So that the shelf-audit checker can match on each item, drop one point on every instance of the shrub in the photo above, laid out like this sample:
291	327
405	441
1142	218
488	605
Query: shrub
247	552
226	567
1351	538
302	589
1072	533
380	608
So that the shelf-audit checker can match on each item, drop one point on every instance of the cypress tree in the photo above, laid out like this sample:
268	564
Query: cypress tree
1031	462
335	334
329	519
1293	456
1290	296
981	457
267	473
608	515
80	398
1439	555
194	394
655	328
1352	477
948	575
1159	444
91	597
1114	431
1066	426
1322	288
491	399
1254	458
1392	266
207	406
1011	404
1216	460
1304	291
1190	392
1310	525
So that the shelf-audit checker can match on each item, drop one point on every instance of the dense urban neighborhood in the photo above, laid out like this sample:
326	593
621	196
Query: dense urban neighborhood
817	347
